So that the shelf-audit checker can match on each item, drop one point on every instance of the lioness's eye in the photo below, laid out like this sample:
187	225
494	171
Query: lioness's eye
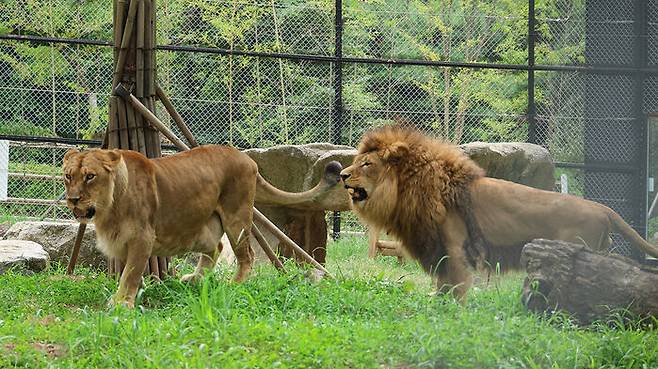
68	177
89	177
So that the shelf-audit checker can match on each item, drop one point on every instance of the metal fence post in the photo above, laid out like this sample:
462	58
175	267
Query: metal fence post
337	114
640	30
532	122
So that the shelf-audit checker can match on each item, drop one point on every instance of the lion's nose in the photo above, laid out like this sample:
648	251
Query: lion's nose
345	176
73	199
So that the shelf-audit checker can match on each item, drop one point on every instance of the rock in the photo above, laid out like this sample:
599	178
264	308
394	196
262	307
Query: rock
57	239
297	168
523	163
22	256
4	227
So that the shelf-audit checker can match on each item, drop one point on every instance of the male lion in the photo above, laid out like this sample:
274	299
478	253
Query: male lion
448	215
168	206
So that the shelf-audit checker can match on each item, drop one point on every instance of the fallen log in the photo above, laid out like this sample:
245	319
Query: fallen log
585	284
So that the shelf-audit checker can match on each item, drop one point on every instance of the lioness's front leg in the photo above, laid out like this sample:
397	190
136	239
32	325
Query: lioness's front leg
137	256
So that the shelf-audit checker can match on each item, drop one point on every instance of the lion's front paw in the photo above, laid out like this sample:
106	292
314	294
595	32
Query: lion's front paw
190	278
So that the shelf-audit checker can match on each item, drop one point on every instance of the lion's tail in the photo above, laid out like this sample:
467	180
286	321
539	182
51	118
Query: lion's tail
267	194
630	234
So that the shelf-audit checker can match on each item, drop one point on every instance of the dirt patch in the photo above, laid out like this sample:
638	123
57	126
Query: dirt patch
62	277
53	350
47	320
50	349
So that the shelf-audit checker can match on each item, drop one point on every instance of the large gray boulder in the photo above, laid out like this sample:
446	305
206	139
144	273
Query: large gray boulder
518	162
22	256
57	239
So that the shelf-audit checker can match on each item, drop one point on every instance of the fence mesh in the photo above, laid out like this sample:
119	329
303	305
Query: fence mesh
61	89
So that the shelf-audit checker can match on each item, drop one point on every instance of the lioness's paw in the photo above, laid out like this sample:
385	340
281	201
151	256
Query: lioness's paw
190	278
119	301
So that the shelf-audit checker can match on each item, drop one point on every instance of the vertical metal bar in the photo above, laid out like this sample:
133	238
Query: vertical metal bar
337	114
640	30
532	121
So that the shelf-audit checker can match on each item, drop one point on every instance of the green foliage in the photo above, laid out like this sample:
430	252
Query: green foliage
261	102
23	128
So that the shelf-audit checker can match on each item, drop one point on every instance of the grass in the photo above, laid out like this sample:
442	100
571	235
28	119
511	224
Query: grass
376	314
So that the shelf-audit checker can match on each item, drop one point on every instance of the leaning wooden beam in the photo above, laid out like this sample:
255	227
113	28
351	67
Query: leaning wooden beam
259	217
125	42
258	235
174	114
155	121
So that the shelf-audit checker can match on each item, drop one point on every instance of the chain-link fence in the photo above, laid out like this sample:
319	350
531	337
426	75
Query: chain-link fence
577	77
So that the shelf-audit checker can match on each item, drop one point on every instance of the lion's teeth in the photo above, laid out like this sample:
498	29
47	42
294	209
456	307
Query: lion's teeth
350	191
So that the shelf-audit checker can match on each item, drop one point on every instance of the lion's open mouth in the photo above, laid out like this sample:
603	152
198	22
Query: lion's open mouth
357	193
81	214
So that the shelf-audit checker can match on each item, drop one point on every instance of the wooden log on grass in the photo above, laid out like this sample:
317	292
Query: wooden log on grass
585	284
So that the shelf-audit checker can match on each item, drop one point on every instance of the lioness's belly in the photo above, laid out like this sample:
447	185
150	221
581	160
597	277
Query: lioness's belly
203	238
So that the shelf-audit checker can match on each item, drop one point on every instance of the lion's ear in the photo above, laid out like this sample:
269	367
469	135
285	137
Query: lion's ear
68	154
110	159
396	151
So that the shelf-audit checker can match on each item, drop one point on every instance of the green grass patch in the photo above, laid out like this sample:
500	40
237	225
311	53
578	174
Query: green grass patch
376	314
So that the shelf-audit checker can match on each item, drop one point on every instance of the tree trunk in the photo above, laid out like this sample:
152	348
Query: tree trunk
588	285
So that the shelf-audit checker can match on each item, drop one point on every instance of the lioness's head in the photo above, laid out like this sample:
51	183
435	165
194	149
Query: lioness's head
89	178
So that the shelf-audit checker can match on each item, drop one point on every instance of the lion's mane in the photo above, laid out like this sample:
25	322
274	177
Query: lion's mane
432	176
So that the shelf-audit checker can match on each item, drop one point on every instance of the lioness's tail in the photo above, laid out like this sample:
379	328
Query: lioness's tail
266	194
630	234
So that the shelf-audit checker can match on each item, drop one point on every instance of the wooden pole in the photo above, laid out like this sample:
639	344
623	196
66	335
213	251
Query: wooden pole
177	118
125	42
258	235
76	248
140	79
154	120
259	217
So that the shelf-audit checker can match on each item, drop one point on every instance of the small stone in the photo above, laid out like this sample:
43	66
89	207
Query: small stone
23	256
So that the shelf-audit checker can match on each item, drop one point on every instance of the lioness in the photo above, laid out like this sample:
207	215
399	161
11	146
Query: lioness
449	216
172	205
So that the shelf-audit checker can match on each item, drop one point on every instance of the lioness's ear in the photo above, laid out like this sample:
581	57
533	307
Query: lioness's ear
68	154
395	151
111	159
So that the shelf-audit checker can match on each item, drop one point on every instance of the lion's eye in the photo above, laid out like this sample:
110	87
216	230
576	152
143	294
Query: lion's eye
68	177
89	177
365	164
